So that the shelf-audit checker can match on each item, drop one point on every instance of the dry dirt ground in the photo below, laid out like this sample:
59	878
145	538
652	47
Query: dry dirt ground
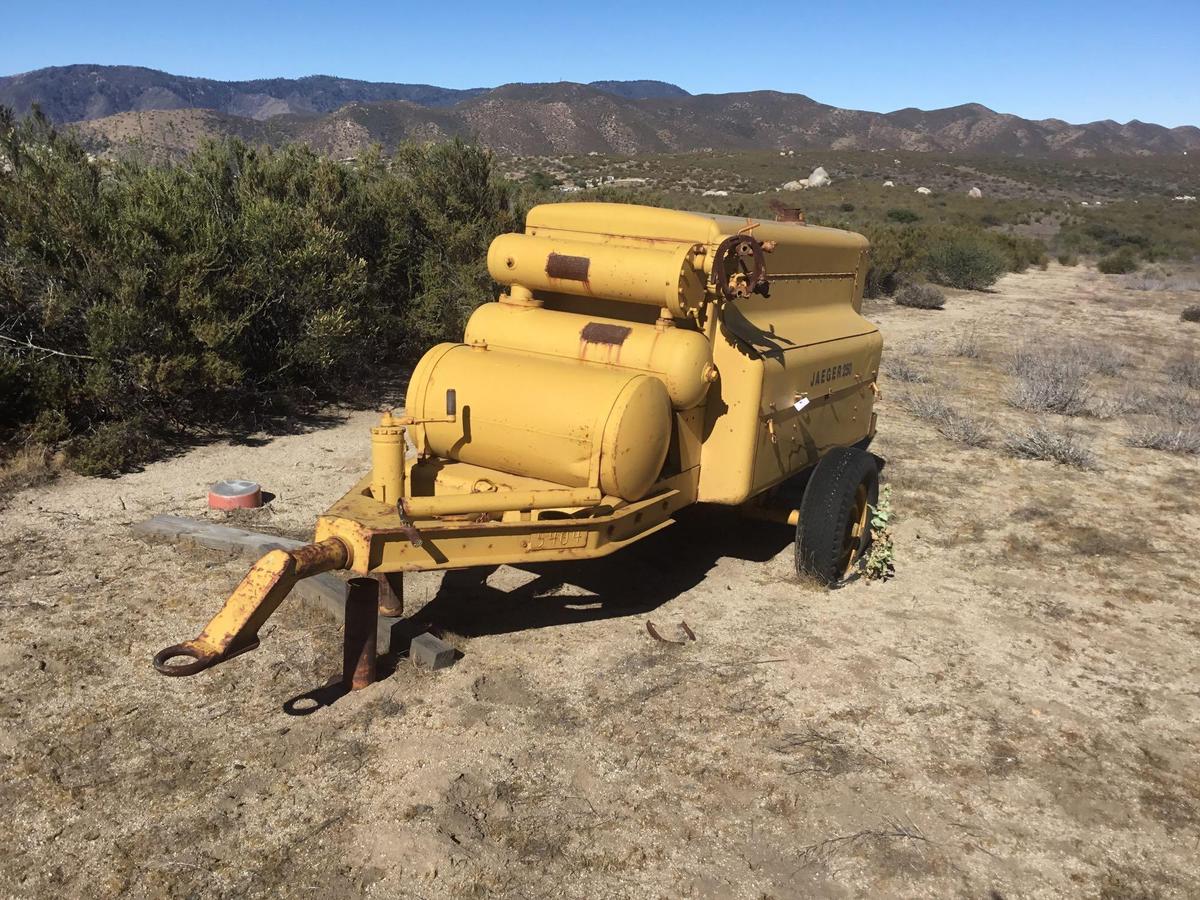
1015	714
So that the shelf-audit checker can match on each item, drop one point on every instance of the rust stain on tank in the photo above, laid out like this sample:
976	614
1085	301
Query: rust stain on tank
568	268
606	335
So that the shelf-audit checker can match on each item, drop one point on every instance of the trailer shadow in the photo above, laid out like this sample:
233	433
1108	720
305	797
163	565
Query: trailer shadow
633	581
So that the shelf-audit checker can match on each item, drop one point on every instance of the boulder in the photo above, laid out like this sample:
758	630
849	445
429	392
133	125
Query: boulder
975	192
818	178
923	190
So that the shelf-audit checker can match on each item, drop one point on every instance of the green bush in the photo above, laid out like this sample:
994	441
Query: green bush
1122	262
966	261
1068	259
138	303
902	215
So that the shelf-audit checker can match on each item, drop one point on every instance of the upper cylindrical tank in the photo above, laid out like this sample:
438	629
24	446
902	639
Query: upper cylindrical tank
564	421
664	276
680	357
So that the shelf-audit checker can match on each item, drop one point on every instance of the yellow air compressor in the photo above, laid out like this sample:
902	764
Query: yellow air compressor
639	360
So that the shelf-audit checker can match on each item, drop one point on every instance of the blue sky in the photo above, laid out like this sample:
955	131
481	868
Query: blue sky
1076	61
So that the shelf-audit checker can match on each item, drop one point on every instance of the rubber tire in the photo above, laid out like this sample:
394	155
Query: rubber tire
826	509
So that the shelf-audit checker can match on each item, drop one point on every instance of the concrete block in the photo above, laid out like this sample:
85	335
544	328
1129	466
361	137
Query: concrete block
325	592
431	652
262	544
163	528
216	538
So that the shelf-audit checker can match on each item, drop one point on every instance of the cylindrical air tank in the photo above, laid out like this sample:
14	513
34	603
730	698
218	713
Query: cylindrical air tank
568	422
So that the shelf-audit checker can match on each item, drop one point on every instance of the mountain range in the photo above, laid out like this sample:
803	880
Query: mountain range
115	105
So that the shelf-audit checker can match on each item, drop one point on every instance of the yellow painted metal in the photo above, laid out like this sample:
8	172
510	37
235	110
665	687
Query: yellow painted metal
661	277
565	421
387	460
613	387
681	357
498	501
378	544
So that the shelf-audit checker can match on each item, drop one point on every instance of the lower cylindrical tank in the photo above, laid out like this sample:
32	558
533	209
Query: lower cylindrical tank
679	356
564	421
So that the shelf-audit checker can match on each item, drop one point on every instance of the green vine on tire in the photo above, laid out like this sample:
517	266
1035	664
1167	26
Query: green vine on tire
880	561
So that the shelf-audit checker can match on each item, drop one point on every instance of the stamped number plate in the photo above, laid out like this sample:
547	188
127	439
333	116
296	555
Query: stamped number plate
557	540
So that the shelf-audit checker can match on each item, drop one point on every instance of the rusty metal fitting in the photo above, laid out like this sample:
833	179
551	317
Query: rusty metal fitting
391	594
361	633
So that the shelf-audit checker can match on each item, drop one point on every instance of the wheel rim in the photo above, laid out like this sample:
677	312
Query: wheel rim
856	529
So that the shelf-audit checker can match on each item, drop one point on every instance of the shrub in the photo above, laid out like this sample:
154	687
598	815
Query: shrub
1191	313
1171	438
949	422
1184	369
1050	379
965	261
1121	262
139	303
920	296
847	207
1128	399
903	216
1068	259
1178	407
967	345
1063	447
902	370
1104	359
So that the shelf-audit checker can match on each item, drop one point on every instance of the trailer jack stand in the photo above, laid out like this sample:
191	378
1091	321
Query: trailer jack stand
234	629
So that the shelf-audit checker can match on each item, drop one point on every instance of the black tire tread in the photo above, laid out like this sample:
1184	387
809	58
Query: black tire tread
826	507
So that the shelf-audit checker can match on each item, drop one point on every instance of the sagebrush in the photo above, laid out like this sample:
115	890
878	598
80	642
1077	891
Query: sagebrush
919	296
1062	446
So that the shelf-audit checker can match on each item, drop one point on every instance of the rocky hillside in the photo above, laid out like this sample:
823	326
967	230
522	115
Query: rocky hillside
340	116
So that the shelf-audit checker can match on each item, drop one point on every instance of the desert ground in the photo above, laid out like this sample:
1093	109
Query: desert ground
1015	714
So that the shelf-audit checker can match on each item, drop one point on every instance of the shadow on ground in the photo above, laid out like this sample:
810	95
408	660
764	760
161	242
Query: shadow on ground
635	581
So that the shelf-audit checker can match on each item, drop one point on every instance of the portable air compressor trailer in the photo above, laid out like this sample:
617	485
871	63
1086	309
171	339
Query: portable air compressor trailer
640	360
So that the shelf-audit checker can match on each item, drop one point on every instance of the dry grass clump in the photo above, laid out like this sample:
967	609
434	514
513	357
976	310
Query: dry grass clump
949	422
1160	436
1127	400
1185	369
920	296
1062	446
902	370
1105	359
1175	428
922	346
1158	280
967	345
30	466
1050	379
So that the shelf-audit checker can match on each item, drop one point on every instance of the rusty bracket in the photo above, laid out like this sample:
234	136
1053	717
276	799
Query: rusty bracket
683	626
407	526
740	254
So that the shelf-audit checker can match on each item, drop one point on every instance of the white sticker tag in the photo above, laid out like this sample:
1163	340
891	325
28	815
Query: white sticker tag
801	403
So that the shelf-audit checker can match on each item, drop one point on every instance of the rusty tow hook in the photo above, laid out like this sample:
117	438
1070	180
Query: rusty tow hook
235	628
